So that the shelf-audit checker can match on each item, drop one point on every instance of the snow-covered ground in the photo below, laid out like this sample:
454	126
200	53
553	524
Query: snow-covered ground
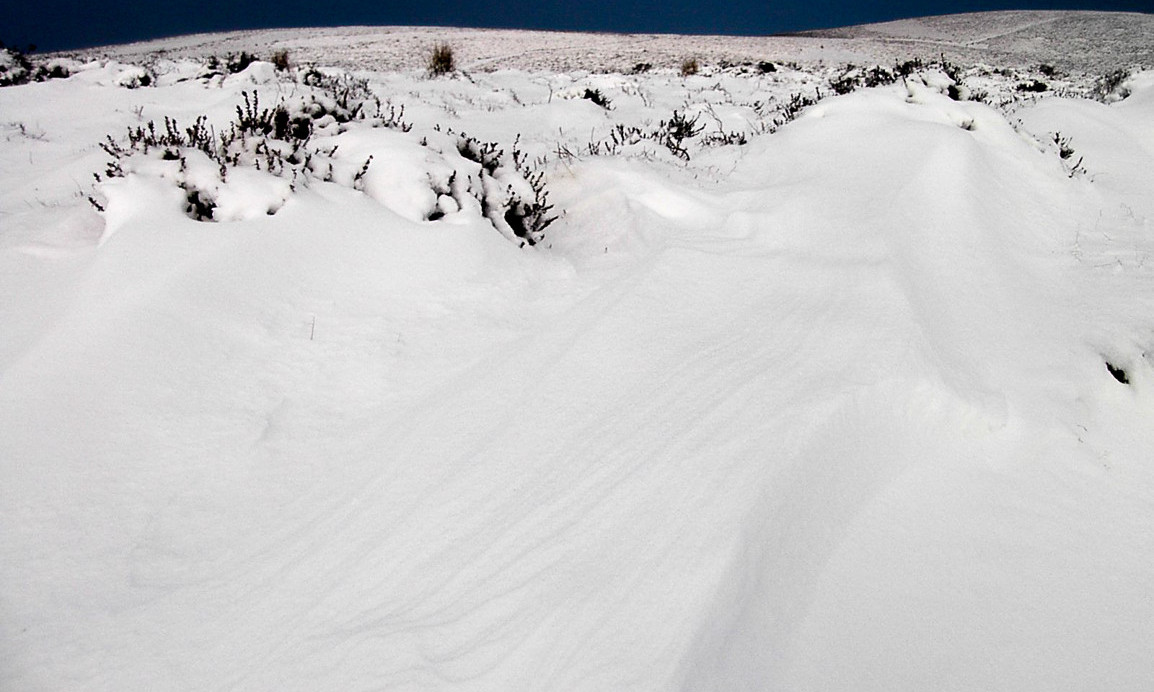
857	399
1085	41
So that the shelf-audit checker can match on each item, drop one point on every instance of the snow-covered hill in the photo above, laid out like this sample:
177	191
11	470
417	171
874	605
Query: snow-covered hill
855	395
1082	41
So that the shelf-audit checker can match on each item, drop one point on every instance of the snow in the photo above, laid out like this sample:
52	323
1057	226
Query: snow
827	410
1081	41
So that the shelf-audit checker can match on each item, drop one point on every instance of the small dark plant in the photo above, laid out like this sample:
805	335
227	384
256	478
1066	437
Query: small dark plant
642	67
485	153
794	107
1111	87
621	136
907	68
846	82
852	78
878	76
689	67
673	132
597	97
529	218
765	67
238	62
280	60
1034	86
1065	151
441	60
722	138
952	70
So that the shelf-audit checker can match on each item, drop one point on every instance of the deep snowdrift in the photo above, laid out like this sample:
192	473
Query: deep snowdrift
829	410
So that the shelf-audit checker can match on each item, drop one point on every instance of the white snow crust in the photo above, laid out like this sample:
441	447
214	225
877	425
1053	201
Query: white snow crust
828	410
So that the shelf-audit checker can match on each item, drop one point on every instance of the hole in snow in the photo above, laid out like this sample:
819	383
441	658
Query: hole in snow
1118	373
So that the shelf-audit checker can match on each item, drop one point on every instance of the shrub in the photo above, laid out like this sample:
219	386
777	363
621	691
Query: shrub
597	97
1035	86
846	82
238	63
275	140
907	68
621	136
259	139
878	76
952	71
441	60
853	78
765	67
280	60
642	67
528	217
510	192
135	78
1065	151
17	68
721	138
57	71
797	103
689	67
1111	87
673	133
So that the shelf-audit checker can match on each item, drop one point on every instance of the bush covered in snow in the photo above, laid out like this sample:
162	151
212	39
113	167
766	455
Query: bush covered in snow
504	188
853	77
296	140
16	67
276	141
1112	86
259	158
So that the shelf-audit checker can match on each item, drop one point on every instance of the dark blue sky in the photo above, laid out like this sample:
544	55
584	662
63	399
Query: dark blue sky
63	24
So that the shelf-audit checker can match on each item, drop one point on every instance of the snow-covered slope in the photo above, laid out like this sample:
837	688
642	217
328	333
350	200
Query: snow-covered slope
1083	41
1070	40
839	408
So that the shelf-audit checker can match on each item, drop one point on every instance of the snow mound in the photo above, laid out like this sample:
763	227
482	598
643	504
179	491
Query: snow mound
865	398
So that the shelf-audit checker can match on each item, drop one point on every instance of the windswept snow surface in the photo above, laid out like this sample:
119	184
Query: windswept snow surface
830	410
1085	41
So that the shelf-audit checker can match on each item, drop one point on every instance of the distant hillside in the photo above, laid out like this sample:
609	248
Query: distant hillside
1080	41
1071	40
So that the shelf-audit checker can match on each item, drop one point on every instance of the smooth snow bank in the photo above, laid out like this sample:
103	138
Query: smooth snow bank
827	411
978	475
